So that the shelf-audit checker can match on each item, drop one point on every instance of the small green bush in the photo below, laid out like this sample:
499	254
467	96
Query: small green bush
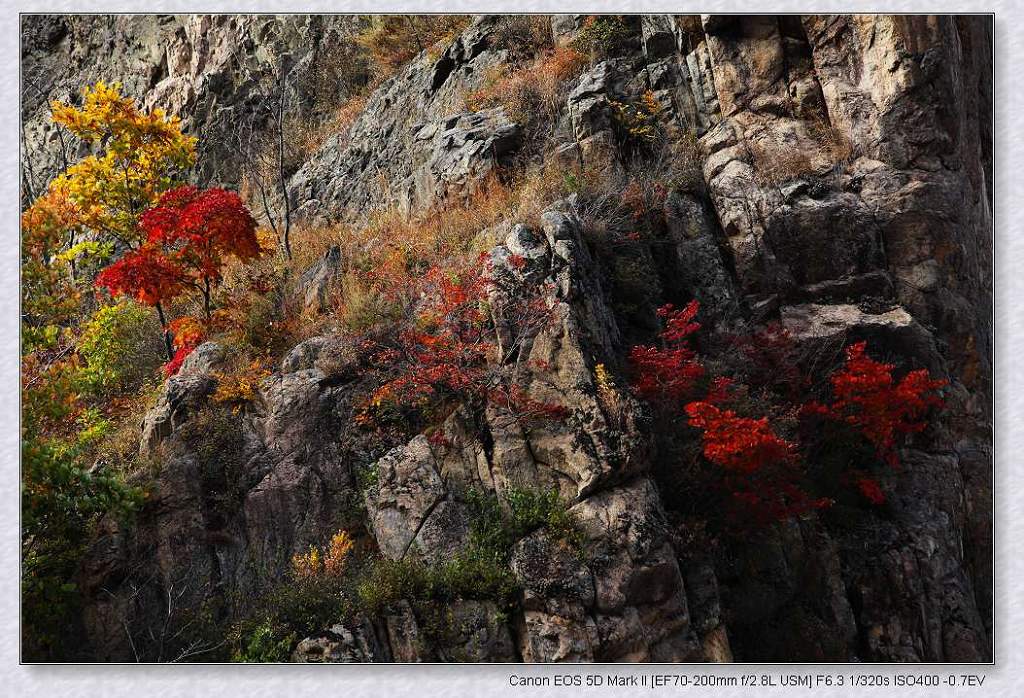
481	569
121	348
264	645
601	36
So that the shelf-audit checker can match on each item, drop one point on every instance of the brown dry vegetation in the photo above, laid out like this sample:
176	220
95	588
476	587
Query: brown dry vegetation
777	163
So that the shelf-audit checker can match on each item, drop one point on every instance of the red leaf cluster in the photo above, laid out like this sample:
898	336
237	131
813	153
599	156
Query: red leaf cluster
145	275
738	444
443	352
667	374
199	229
188	334
761	470
866	397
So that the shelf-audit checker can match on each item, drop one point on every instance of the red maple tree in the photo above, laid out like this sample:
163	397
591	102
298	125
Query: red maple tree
149	277
198	230
189	235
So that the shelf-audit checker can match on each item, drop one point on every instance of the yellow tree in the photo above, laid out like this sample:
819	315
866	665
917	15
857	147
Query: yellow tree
87	212
139	156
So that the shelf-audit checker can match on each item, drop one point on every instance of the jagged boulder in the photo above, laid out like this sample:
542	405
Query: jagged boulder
415	128
342	645
185	392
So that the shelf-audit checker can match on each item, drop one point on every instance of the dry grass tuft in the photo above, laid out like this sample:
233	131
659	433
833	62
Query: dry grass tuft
778	163
532	93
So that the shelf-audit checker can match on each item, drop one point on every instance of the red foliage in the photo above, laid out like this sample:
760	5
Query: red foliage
866	397
667	374
871	490
762	472
200	228
738	444
446	353
443	354
760	469
188	334
144	274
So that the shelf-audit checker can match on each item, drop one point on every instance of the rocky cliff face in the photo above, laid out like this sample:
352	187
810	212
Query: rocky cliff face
845	191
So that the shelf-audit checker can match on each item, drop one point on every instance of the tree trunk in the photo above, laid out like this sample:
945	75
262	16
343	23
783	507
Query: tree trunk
167	335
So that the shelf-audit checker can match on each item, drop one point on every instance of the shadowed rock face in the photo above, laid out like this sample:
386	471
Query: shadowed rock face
880	229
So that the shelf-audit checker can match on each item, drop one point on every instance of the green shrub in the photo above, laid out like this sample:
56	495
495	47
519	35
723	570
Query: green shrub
263	644
481	569
533	509
601	36
121	348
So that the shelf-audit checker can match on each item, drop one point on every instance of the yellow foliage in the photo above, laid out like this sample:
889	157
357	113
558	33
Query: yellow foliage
331	562
640	120
238	387
601	375
605	390
139	156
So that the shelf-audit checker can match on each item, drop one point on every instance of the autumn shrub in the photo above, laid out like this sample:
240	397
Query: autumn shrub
866	397
316	592
335	582
667	374
197	230
836	146
393	40
140	156
638	127
448	351
602	36
120	349
775	164
530	94
759	468
189	235
328	561
767	452
239	386
257	311
119	447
